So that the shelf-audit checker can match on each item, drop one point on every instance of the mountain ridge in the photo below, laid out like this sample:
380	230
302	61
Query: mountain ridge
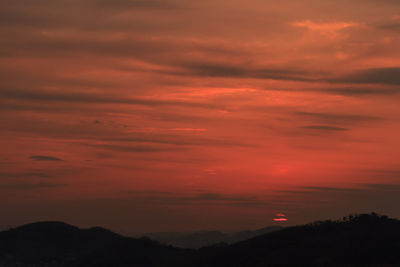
356	240
198	239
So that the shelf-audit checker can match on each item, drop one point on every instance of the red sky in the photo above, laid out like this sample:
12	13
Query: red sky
147	115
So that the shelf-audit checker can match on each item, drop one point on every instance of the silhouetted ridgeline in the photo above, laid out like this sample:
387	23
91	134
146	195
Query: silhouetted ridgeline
359	240
60	244
200	239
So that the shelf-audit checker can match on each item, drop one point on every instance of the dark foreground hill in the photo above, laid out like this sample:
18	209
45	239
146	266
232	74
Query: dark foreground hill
361	240
60	244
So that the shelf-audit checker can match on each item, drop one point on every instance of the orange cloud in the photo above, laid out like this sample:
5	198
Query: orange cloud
332	26
190	129
330	29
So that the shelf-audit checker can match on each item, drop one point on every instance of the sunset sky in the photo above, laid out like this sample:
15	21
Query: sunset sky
173	115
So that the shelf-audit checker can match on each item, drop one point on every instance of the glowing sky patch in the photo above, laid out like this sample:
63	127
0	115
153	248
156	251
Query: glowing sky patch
280	219
329	26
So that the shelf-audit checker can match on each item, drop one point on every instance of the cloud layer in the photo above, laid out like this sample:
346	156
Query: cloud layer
181	110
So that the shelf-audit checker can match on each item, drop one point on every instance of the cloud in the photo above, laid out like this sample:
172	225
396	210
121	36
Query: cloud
337	118
394	26
88	14
380	2
219	197
385	187
24	175
384	76
345	91
280	219
329	29
159	53
124	4
330	189
189	129
182	199
359	91
324	27
324	128
153	143
45	158
32	186
37	174
168	139
382	173
48	96
356	189
387	76
8	175
135	149
162	193
225	70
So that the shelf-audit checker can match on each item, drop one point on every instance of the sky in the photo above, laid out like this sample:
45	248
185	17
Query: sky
172	115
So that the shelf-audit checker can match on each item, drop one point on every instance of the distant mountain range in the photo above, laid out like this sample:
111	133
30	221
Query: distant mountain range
200	239
359	240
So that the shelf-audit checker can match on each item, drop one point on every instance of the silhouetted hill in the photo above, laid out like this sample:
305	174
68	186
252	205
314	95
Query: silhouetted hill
60	244
360	240
200	239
